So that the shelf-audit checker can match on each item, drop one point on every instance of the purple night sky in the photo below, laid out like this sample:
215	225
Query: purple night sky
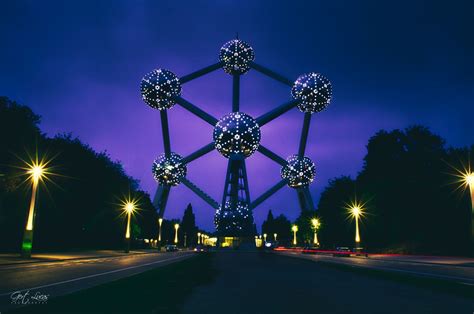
79	64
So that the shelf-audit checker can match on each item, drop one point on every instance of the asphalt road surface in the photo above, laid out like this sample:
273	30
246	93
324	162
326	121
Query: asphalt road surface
463	274
272	283
59	278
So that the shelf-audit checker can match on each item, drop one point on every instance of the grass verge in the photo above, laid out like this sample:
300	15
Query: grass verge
161	290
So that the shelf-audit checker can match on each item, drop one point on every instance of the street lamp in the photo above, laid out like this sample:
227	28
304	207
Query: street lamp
160	222
356	210
199	237
36	172
466	180
469	182
129	208
176	227
316	224
264	237
294	228
275	237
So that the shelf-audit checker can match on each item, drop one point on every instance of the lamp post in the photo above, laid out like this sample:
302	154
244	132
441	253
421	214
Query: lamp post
316	224
264	237
465	179
129	208
294	228
275	237
160	222
36	173
356	211
469	180
176	227
199	237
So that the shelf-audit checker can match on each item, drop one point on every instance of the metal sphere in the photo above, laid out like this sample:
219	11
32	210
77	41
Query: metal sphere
169	170
159	87
233	219
236	133
314	92
299	172
236	55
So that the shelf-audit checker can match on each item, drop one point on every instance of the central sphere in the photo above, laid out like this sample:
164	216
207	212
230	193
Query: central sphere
236	133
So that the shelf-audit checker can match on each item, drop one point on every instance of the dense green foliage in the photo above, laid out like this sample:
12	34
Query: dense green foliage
81	206
410	197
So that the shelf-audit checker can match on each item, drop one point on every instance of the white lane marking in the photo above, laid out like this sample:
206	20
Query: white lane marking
96	275
42	264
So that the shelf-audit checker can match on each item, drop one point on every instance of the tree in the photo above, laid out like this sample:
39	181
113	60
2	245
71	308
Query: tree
268	226
336	230
410	204
279	225
188	227
81	208
305	232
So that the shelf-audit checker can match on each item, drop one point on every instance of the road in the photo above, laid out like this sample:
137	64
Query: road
272	283
59	278
463	274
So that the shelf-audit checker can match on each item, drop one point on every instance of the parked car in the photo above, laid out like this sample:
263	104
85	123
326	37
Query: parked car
342	251
171	248
359	251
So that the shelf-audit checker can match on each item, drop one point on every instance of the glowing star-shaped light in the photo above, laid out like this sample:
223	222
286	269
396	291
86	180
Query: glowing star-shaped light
355	209
465	177
469	179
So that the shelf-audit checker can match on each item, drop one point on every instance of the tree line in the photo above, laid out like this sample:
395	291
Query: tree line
80	207
412	200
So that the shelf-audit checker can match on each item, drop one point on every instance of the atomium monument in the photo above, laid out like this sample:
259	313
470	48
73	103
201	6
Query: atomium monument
236	136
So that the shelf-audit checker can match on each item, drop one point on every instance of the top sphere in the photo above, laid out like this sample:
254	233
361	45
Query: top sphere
299	172
314	92
236	55
159	87
236	133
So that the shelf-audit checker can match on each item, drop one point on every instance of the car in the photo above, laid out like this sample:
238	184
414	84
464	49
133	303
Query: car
359	251
342	251
200	248
171	248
